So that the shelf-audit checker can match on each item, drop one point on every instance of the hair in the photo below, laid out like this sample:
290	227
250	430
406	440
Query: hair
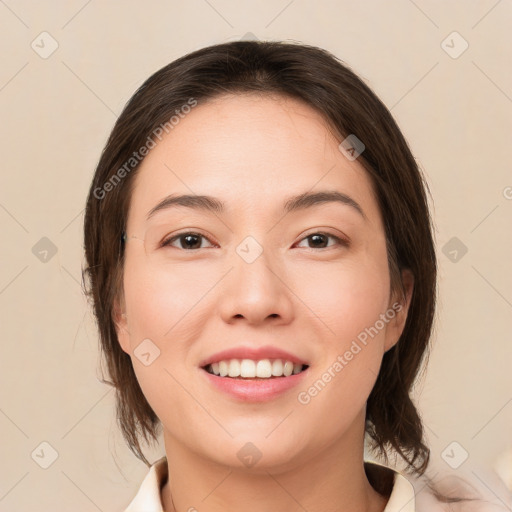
349	107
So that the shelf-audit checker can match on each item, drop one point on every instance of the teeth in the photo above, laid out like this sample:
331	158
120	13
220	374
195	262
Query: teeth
247	368
263	369
223	368
234	368
277	368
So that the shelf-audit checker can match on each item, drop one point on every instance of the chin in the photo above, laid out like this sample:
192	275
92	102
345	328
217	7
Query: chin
257	453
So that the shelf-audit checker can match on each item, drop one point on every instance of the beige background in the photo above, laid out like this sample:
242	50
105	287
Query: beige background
56	114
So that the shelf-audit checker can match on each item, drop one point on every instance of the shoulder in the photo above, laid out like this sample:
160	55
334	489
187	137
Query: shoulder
476	489
472	489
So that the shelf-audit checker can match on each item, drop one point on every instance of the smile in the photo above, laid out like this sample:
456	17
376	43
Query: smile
247	380
250	369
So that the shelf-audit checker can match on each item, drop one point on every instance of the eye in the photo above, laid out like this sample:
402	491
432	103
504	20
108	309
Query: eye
320	239
192	241
188	240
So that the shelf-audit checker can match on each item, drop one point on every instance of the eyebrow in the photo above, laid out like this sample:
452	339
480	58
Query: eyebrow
295	203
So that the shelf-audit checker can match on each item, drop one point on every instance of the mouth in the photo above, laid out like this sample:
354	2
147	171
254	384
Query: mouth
250	369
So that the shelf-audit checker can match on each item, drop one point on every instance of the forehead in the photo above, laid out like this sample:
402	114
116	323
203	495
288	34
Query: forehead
250	150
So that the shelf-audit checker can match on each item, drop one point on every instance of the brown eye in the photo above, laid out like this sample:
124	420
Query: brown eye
320	240
188	241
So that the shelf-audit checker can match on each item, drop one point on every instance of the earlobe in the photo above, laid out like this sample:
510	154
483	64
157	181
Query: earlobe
400	305
121	325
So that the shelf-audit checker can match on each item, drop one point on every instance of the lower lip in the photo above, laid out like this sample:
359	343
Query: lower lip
255	390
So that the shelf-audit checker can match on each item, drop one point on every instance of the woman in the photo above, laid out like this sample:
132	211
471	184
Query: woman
260	259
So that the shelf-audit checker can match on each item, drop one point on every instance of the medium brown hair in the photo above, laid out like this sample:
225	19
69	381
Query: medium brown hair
322	81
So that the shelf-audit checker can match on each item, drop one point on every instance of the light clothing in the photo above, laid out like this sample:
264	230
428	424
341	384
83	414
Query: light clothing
405	496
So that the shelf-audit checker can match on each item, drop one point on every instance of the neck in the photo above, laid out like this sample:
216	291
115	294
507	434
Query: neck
333	479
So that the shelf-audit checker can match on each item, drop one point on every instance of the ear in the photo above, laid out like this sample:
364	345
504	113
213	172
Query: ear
121	323
400	306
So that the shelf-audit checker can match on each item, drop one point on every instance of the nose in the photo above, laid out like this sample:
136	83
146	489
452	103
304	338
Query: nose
256	291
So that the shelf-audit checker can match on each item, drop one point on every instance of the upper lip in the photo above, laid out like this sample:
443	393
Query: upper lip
254	353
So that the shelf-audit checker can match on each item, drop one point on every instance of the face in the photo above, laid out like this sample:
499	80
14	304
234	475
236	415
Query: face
264	277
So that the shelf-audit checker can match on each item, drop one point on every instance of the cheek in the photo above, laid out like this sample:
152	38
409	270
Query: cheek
159	308
346	297
160	301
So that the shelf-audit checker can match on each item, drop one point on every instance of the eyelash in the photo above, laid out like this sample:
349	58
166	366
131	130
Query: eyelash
340	241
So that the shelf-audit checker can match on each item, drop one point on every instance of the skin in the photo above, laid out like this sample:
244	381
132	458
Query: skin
252	152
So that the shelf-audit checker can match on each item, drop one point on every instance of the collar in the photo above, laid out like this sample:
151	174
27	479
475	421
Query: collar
147	499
